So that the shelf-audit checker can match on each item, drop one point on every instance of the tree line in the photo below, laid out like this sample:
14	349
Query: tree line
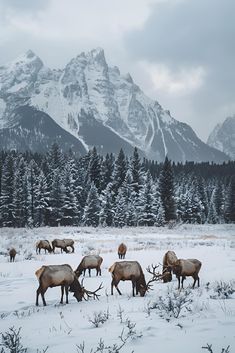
93	190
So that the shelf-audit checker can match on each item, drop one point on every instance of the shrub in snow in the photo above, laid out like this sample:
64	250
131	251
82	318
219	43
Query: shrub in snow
172	304
223	290
11	341
99	318
208	347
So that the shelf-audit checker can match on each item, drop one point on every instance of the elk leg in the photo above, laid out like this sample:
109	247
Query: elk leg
84	272
62	294
89	270
100	271
198	281
72	248
116	286
182	282
37	295
67	294
45	251
178	282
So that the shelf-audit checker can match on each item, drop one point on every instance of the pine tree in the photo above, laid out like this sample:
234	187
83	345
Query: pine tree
92	208
41	200
136	171
69	207
7	190
107	207
147	208
166	188
230	202
94	169
119	173
55	199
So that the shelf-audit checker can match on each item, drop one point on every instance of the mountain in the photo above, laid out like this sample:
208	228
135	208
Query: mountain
223	137
99	106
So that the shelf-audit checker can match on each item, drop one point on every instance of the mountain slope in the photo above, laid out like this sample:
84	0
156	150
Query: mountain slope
223	137
36	131
94	102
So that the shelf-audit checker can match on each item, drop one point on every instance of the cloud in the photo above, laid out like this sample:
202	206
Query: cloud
189	45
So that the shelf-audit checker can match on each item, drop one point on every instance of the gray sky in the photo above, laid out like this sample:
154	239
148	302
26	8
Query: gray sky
180	52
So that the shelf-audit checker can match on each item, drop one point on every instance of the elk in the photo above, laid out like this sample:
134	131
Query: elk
89	262
122	251
63	276
184	268
168	260
43	244
129	271
62	244
12	254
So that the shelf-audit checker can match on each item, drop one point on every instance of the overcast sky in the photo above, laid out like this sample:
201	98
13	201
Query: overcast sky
180	52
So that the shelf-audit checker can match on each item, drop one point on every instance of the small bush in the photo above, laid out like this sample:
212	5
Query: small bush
11	341
172	304
208	347
99	318
223	290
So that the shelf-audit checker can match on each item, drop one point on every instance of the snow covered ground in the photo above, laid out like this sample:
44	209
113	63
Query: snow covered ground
208	319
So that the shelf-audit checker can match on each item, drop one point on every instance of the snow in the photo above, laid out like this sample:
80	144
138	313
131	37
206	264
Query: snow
61	327
17	87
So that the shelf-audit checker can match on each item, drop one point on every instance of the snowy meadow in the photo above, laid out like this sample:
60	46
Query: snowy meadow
165	320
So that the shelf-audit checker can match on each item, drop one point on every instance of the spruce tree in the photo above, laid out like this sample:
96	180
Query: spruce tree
41	200
230	202
7	191
92	208
119	173
166	188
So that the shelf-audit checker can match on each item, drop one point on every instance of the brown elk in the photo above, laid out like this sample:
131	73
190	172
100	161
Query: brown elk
129	271
62	244
122	251
12	254
89	262
184	268
43	244
168	260
63	276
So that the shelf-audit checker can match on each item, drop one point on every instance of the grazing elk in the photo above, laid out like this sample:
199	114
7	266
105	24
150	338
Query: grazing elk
43	244
89	262
168	261
63	276
122	251
12	254
62	244
129	271
184	268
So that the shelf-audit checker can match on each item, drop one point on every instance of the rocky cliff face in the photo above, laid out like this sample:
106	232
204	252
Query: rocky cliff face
99	106
223	137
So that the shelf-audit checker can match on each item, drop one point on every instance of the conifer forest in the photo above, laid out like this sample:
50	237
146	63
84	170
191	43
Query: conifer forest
59	188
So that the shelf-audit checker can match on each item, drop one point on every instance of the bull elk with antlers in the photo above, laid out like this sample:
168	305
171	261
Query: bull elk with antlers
63	276
130	271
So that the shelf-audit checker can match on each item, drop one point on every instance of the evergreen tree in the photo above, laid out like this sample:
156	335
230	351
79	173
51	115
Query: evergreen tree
7	190
119	173
166	188
107	207
136	171
92	208
230	202
147	207
94	169
55	199
41	200
69	207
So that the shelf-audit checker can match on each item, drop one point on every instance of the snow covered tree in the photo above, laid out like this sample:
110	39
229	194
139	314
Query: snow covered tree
94	168
107	206
230	202
147	205
119	173
55	199
166	188
41	200
136	171
7	189
92	208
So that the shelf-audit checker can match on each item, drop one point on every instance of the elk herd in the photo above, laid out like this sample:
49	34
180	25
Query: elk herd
68	279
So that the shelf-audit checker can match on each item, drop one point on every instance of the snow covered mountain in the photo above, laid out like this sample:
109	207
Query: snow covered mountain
99	106
223	137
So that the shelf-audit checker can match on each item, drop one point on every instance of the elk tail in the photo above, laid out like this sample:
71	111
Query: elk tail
39	272
111	269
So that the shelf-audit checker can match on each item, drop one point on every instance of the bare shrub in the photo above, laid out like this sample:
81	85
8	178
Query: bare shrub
128	333
11	341
172	304
223	290
208	347
99	318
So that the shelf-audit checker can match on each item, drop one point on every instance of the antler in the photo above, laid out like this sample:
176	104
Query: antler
93	294
156	276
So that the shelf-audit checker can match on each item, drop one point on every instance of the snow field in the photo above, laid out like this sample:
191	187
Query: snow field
61	327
